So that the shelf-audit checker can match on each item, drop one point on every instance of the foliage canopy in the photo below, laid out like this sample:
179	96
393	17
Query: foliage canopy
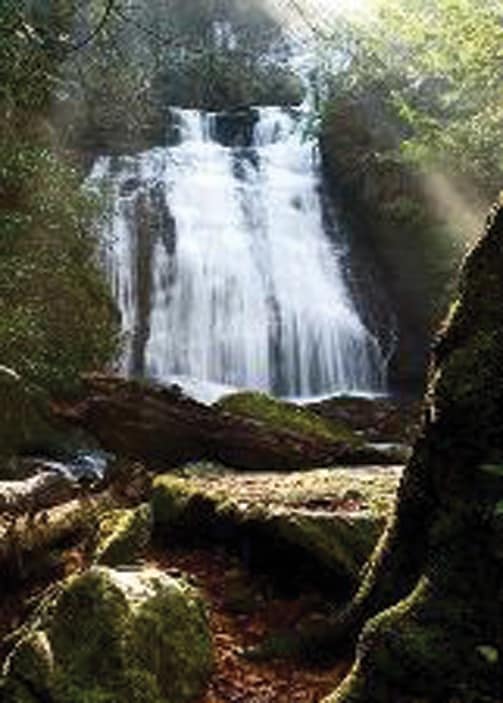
56	317
435	69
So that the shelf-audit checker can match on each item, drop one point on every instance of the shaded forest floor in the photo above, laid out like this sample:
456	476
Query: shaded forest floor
242	609
246	604
242	612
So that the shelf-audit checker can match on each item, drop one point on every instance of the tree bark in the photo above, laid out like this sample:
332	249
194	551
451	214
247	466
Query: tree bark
429	612
164	428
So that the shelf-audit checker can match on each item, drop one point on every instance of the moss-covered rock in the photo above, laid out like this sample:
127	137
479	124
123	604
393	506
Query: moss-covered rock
88	630
139	636
314	525
171	640
281	415
123	535
33	658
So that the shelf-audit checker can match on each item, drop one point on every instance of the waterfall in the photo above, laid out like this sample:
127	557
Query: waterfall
223	269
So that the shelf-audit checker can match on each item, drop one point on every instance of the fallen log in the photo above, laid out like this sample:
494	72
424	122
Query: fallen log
163	427
33	549
34	494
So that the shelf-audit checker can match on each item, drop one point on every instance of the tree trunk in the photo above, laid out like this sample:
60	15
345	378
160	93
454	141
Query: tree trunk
164	428
429	611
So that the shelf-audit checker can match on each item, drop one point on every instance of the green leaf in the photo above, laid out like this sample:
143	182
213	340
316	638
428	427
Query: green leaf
490	654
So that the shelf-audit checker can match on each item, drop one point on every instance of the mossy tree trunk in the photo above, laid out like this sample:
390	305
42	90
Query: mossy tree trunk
429	611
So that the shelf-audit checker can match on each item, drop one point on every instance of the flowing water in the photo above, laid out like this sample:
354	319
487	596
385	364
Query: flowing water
223	268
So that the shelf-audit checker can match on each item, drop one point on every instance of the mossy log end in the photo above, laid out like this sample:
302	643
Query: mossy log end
429	611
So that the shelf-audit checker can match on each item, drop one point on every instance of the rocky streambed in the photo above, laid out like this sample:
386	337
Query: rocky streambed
213	563
192	577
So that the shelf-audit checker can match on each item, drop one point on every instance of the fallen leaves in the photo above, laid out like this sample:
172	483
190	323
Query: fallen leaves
237	679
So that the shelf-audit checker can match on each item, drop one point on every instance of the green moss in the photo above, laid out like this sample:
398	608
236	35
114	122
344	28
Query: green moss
442	642
280	415
468	370
88	630
139	636
31	658
334	517
178	505
170	499
170	638
426	646
489	654
399	657
123	535
332	540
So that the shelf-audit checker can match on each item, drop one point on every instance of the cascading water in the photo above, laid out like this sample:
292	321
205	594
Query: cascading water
222	267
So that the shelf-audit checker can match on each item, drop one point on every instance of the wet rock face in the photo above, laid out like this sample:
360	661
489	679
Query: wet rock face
235	128
111	635
394	226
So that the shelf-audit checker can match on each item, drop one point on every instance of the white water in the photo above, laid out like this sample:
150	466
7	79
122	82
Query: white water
253	294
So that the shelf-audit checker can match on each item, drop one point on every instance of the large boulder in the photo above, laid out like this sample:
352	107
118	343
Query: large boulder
316	526
112	636
279	415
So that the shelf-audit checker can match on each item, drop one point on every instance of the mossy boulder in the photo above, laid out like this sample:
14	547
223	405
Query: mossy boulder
281	415
123	535
316	526
33	657
139	636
